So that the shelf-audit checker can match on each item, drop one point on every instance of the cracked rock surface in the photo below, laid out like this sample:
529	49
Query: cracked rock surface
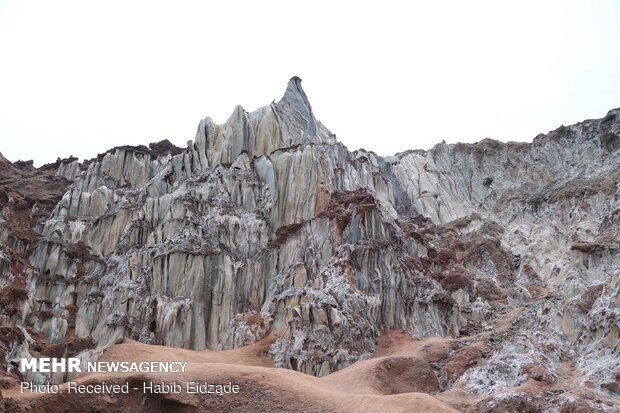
268	225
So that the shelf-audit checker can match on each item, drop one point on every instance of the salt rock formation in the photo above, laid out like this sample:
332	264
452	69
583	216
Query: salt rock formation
267	224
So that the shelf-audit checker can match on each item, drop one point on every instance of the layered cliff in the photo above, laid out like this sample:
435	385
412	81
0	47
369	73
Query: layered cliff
268	225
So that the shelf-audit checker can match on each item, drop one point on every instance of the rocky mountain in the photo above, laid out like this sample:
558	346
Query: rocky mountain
268	225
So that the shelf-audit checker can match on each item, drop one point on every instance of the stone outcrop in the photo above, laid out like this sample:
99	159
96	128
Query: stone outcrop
267	224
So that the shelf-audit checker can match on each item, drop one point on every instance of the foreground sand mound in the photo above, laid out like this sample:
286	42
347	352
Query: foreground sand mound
263	388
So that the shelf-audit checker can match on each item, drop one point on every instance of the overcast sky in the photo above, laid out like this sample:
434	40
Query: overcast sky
79	77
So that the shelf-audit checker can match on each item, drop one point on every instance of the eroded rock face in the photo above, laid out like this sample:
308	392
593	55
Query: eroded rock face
267	224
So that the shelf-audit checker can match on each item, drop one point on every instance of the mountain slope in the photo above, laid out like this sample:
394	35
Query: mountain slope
268	225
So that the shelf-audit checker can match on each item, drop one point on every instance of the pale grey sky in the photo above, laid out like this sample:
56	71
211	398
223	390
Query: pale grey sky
79	77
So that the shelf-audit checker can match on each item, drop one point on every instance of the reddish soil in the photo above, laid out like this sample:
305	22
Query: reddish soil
263	388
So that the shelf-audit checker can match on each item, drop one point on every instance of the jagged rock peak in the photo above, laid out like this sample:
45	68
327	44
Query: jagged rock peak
295	93
295	113
284	124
